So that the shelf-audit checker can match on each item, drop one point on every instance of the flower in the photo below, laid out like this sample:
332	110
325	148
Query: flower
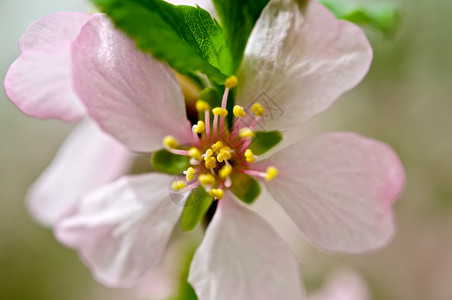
39	83
337	187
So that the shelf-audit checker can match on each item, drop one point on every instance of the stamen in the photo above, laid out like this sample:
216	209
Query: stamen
225	171
189	174
206	179
272	172
231	82
224	154
249	155
217	147
246	133
195	153
210	163
199	127
202	106
238	111
218	111
178	185
258	109
217	193
170	142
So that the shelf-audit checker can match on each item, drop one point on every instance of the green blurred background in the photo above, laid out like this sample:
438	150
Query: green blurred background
406	101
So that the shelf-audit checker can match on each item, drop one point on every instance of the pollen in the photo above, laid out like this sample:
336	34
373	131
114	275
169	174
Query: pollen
246	133
217	147
170	142
224	154
249	156
206	179
208	154
217	193
210	163
258	109
199	127
189	174
178	185
195	153
272	172
238	111
225	171
231	82
202	105
218	111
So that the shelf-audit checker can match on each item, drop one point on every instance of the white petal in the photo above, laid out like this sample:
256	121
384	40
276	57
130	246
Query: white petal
121	229
299	59
88	159
132	96
241	257
339	189
39	82
342	285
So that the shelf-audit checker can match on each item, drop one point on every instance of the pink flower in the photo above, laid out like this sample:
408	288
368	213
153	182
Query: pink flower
39	83
337	187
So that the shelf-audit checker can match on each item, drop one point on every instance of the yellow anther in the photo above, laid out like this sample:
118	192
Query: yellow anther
249	156
258	109
246	133
199	127
217	193
178	185
225	171
202	105
208	154
271	173
210	163
231	82
217	147
189	174
238	111
206	179
218	111
170	142
224	154
195	153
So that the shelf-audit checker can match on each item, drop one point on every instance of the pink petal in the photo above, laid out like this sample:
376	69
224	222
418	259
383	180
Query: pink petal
241	257
88	159
39	82
339	189
121	229
131	95
299	60
342	285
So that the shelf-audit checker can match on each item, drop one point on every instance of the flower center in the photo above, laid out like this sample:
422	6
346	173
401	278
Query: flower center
218	151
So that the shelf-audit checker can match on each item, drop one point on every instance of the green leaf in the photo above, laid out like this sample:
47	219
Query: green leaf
185	37
264	141
167	162
245	187
238	19
379	16
195	209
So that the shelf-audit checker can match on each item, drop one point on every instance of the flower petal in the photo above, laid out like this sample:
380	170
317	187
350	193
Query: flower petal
298	60
121	229
339	189
39	82
88	159
241	257
134	97
342	284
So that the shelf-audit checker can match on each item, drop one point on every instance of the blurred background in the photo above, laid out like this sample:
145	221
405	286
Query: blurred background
406	101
